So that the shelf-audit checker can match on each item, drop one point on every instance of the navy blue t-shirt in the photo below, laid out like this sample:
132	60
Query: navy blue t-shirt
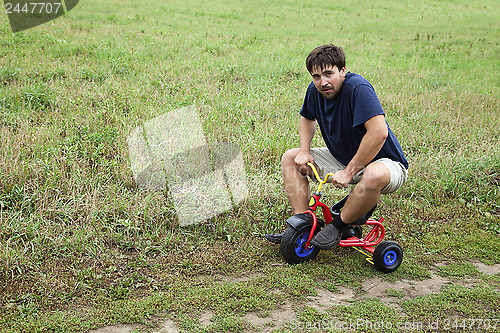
341	119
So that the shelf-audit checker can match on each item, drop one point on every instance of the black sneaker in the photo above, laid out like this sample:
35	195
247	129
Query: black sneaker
274	238
327	238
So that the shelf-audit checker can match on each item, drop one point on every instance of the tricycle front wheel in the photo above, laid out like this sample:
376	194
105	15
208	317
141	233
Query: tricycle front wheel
293	246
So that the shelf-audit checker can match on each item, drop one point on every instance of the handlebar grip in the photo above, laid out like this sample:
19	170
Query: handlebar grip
315	171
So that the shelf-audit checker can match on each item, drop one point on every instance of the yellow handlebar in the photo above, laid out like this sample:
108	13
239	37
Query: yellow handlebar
317	175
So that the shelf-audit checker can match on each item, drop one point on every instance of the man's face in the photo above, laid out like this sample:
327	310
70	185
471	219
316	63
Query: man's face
328	80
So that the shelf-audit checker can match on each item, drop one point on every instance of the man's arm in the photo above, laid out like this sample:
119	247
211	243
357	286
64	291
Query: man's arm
307	128
372	142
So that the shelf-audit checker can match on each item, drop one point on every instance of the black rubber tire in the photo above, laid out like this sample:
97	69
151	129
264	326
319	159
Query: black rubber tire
291	246
358	231
353	231
387	256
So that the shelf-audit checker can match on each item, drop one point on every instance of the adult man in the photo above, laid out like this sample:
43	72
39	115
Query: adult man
361	148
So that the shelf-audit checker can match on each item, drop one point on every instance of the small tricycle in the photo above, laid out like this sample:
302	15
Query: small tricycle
295	245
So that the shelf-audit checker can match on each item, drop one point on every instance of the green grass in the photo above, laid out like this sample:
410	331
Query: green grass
82	246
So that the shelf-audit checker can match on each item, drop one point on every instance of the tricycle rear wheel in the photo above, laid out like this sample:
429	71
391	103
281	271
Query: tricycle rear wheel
387	256
353	231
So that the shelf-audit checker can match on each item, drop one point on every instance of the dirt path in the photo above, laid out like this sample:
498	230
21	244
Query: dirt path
374	287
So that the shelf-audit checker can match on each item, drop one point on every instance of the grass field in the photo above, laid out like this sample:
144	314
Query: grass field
81	246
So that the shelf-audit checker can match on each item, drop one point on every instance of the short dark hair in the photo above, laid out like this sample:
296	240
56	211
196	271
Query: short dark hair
326	55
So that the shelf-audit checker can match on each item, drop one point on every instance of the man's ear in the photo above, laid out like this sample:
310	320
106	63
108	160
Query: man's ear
343	72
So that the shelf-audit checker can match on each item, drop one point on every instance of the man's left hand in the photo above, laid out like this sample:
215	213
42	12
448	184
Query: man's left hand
341	179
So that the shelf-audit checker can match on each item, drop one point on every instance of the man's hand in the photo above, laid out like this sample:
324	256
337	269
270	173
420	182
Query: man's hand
301	160
341	179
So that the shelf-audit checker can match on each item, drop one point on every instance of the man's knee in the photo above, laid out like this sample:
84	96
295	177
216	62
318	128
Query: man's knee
287	160
375	177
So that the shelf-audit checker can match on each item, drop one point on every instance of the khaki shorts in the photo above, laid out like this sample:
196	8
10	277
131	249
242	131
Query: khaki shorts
329	164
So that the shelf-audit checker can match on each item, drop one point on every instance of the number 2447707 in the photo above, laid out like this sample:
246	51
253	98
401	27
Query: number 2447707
34	8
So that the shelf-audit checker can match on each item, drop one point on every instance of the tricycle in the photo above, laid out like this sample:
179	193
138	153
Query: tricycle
295	244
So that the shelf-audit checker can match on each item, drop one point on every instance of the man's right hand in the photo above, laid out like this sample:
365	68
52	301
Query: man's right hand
301	160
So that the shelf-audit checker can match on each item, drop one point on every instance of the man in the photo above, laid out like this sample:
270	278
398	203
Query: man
360	147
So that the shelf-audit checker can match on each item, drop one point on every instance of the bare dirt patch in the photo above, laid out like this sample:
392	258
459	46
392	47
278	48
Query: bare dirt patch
120	328
327	298
206	318
168	327
487	269
376	287
277	318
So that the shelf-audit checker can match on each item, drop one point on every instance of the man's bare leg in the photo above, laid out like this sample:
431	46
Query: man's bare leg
295	182
365	195
296	188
